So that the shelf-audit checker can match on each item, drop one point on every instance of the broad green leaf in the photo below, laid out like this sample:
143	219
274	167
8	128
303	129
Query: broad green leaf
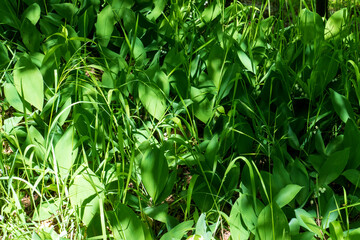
211	153
65	153
299	175
168	186
211	11
30	35
105	25
342	106
85	193
333	166
324	72
203	107
336	24
126	225
355	234
353	176
32	13
120	7
46	210
29	82
66	10
294	226
179	81
86	22
179	231
66	112
36	138
154	172
336	231
311	26
287	194
306	220
8	15
160	213
4	57
352	140
139	52
237	229
201	228
272	224
156	12
214	64
329	209
246	61
14	99
11	123
153	99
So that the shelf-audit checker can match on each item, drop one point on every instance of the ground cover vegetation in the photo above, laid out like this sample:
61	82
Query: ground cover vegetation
179	119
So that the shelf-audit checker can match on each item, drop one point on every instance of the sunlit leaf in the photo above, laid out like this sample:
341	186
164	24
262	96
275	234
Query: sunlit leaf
154	172
272	224
32	13
153	100
311	26
336	24
341	105
65	153
287	194
85	192
29	82
105	25
333	166
126	225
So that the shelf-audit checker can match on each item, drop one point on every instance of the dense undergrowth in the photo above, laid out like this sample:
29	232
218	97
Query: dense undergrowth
192	119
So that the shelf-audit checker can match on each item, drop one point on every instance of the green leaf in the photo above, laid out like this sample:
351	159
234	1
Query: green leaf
158	9
30	35
336	231
8	15
66	10
46	210
65	153
299	175
246	61
214	64
152	99
333	166
154	172
139	52
287	194
203	106
311	26
126	225
4	57
160	213
29	82
342	106
336	25
85	192
105	25
14	99
306	220
237	229
352	140
353	176
323	73
272	224
179	231
66	112
211	12
32	13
